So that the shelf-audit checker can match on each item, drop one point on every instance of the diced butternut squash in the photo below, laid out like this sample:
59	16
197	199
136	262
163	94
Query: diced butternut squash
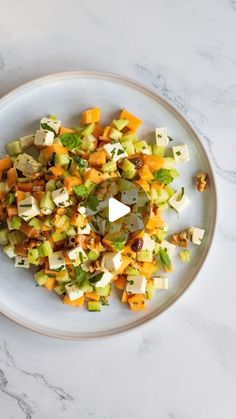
154	222
76	303
92	296
50	284
28	230
143	184
120	283
54	148
11	177
12	211
97	159
5	163
125	262
98	130
78	220
154	162
137	302
147	269
64	130
91	115
134	122
105	135
124	297
71	181
145	173
95	176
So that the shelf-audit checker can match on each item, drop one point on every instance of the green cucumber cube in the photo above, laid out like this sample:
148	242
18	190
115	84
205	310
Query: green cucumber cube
94	306
14	148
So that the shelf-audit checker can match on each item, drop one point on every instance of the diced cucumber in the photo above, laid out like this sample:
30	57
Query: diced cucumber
9	250
51	185
89	185
145	256
46	204
131	271
109	167
129	169
160	234
169	163
130	136
142	199
26	141
162	196
143	147
120	123
128	146
89	143
169	190
45	249
157	150
104	291
93	255
15	237
61	160
4	236
33	256
47	221
57	141
87	129
86	287
41	158
71	232
57	237
14	148
16	222
94	306
63	277
61	221
125	185
163	206
185	256
59	289
150	290
115	134
40	277
174	173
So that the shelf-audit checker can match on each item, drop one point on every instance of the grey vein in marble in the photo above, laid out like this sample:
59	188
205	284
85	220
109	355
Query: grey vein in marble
158	82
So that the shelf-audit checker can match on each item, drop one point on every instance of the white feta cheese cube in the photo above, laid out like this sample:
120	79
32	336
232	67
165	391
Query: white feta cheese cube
28	208
21	262
43	138
73	292
196	235
181	153
136	284
86	211
9	250
129	197
56	261
168	247
115	227
161	283
85	229
111	261
61	197
27	164
134	222
51	122
162	139
148	243
115	151
101	225
26	141
179	201
105	279
77	255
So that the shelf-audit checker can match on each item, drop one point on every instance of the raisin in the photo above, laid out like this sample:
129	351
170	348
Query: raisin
137	245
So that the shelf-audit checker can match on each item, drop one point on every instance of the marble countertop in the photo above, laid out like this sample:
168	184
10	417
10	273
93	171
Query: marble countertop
183	364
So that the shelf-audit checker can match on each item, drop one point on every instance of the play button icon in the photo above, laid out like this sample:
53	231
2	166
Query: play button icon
116	209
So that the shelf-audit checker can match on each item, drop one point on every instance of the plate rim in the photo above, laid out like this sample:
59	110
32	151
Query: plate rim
23	88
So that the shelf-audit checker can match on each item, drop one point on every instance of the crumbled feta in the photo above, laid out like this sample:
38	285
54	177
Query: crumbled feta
179	201
129	197
21	262
161	283
134	222
77	255
148	243
162	138
168	247
111	261
104	280
28	208
100	225
61	197
115	151
43	138
53	123
136	284
73	292
181	153
196	235
27	164
86	229
56	261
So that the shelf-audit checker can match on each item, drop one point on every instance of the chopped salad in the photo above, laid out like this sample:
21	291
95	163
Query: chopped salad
55	187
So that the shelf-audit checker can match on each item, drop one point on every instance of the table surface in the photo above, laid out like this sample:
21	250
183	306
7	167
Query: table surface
182	365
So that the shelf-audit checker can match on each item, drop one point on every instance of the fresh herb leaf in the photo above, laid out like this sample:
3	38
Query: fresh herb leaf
26	206
92	202
11	198
119	243
96	278
170	139
71	140
178	153
80	190
81	277
104	301
47	127
80	162
120	152
164	176
181	194
164	257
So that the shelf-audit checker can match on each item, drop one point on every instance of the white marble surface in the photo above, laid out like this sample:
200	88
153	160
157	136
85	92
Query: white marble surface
183	364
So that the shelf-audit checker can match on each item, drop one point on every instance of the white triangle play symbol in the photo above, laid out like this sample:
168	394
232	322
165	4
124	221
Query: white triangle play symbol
116	210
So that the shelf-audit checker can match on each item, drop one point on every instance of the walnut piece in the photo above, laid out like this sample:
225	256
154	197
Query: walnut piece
201	181
180	239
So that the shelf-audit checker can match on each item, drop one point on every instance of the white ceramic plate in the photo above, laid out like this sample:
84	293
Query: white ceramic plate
67	95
